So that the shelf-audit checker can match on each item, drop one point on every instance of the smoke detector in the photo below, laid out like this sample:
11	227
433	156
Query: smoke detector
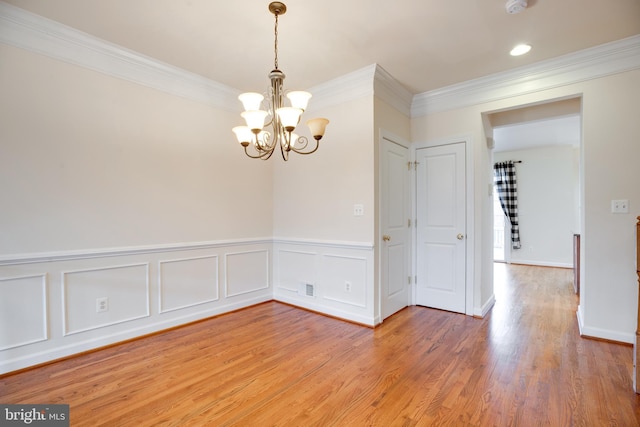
516	6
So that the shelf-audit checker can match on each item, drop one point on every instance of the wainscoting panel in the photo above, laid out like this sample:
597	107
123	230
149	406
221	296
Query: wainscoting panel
345	279
58	299
342	275
23	310
188	282
125	287
246	272
297	269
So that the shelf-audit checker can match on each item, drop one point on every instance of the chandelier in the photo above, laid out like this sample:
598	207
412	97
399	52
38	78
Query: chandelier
273	126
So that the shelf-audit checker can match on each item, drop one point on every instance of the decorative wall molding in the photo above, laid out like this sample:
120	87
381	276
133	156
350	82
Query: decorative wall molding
25	305
11	362
600	61
125	276
295	269
190	287
74	255
37	34
239	279
26	30
355	85
486	307
357	296
324	243
387	88
327	266
543	263
367	81
82	307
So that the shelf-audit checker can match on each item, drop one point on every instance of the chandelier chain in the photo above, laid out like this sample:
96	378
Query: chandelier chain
275	48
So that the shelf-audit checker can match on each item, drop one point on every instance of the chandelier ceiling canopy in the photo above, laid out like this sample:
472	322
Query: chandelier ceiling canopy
269	122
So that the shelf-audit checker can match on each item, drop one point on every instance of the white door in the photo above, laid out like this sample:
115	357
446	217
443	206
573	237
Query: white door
441	227
395	236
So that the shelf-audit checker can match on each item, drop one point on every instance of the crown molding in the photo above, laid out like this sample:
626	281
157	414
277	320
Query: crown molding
26	30
387	88
367	81
600	61
349	87
35	33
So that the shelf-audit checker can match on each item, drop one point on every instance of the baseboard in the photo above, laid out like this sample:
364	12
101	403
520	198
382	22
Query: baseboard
602	334
328	311
486	307
84	346
542	263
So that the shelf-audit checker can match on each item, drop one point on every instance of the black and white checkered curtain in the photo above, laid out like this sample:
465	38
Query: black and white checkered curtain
504	174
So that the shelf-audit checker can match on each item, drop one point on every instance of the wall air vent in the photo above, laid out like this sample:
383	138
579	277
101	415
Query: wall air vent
309	290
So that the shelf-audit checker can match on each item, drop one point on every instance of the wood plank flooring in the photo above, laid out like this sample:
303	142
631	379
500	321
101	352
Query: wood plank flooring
272	364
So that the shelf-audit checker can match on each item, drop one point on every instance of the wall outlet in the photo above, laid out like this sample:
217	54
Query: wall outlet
102	304
347	286
358	210
619	206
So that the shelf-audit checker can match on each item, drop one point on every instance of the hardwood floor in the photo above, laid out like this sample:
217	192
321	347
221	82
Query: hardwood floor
272	364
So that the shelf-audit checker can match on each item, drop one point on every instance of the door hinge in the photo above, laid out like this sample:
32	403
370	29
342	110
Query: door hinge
408	166
409	279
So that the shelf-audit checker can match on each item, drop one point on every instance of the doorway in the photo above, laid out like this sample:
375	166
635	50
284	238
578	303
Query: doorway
500	224
544	139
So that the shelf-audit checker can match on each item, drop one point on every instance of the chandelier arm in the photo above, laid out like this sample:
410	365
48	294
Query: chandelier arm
262	153
267	155
285	153
267	144
307	152
302	142
259	156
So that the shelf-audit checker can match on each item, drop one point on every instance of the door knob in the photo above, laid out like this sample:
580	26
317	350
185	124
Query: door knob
386	237
460	236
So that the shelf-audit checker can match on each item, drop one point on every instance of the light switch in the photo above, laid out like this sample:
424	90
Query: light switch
620	206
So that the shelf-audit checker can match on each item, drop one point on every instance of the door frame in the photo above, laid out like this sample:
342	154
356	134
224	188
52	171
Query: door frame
469	215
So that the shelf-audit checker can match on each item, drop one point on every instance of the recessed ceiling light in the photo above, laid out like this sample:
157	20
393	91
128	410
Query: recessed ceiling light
521	49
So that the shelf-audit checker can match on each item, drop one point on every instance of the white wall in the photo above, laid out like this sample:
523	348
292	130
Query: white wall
609	290
89	161
313	196
123	190
609	157
113	189
546	204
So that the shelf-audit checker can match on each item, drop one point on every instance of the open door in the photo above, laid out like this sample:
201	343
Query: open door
441	236
395	238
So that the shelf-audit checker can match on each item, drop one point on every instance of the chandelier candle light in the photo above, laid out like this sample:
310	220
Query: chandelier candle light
282	120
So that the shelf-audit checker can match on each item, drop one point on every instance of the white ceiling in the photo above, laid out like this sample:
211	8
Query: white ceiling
424	44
